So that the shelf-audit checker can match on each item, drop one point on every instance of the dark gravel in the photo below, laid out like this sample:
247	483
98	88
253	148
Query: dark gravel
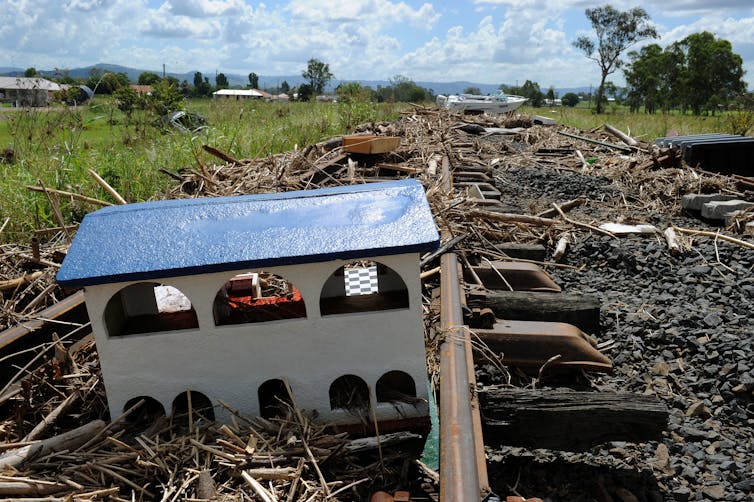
683	329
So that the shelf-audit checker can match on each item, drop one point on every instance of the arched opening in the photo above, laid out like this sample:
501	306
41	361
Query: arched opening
274	400
395	386
349	392
195	403
149	410
363	286
148	307
257	297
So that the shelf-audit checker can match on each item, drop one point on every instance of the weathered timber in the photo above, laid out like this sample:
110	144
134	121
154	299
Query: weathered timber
566	206
220	155
523	251
15	341
569	420
444	248
67	441
583	311
621	135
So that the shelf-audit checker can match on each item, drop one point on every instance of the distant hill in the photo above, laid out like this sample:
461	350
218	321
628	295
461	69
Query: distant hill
8	71
270	81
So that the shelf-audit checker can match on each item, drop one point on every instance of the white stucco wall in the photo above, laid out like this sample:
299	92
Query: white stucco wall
229	363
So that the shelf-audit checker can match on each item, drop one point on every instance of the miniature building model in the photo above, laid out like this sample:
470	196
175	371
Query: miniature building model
237	299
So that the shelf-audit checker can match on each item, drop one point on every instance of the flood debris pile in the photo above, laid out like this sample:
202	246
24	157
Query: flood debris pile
185	456
674	310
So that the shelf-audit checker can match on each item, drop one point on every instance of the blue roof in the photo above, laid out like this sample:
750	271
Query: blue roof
169	238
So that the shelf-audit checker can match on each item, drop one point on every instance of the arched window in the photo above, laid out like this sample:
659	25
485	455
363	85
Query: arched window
150	409
257	297
349	392
192	402
274	400
395	386
363	286
148	307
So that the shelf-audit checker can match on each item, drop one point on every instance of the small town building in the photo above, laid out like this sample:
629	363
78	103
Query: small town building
27	91
237	94
248	300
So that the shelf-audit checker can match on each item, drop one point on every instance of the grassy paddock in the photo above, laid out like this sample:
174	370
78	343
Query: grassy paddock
643	126
57	146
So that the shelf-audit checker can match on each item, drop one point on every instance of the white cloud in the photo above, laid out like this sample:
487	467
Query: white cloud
205	8
181	27
490	41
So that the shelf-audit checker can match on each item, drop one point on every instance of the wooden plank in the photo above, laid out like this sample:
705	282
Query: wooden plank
583	311
569	420
33	332
370	144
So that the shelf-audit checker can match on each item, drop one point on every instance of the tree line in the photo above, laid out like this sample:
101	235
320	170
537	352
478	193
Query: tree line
317	76
700	73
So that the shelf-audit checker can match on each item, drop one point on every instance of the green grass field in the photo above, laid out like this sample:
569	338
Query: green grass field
57	146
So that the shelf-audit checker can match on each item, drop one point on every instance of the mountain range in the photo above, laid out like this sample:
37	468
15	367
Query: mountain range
269	81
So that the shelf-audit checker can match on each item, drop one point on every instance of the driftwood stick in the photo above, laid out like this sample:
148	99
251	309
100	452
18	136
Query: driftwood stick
104	184
672	239
67	441
68	194
580	224
121	478
5	224
19	281
52	197
309	453
220	155
30	487
714	235
273	473
512	218
51	418
260	490
111	425
565	207
621	135
584	163
561	247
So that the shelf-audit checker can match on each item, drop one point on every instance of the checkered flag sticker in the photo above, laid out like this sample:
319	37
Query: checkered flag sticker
361	280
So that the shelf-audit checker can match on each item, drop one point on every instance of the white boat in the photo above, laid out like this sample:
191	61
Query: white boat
496	103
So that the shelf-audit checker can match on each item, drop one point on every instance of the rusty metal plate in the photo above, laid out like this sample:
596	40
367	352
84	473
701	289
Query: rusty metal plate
529	344
520	276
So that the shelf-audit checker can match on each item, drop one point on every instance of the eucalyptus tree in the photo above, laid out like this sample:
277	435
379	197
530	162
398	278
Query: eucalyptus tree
616	31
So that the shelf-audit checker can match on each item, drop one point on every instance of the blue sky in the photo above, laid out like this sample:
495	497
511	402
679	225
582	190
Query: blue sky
485	41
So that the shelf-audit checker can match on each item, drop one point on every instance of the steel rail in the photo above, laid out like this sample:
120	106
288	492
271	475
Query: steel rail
463	472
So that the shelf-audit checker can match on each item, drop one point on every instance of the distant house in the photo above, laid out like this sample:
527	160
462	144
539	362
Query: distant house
145	90
265	95
23	91
238	94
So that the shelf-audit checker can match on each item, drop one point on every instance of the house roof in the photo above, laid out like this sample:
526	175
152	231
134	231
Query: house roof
239	92
153	240
28	83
